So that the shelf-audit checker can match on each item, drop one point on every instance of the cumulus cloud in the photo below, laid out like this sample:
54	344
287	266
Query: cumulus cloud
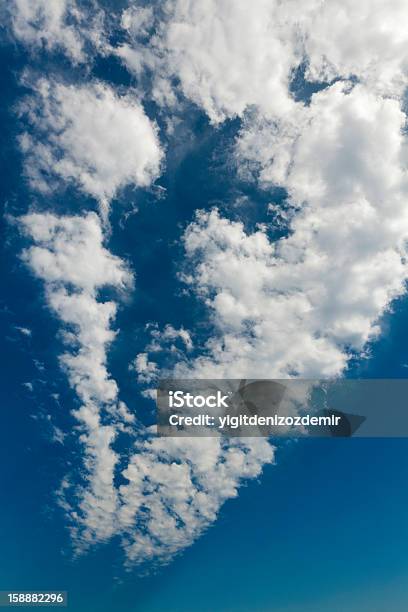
293	307
301	305
92	513
170	496
297	306
70	250
88	135
366	39
146	370
176	487
58	25
169	338
138	20
69	256
226	56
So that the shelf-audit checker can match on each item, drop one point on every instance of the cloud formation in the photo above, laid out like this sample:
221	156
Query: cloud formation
170	496
69	256
88	135
366	40
63	25
302	305
294	307
226	56
176	487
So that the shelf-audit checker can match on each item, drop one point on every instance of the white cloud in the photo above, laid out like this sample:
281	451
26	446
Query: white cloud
93	519
70	250
226	55
137	20
298	305
295	307
25	331
57	25
57	435
90	321
176	487
69	256
146	370
91	136
168	336
170	341
292	307
366	39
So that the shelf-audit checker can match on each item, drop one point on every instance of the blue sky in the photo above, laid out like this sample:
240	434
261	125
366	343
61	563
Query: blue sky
303	185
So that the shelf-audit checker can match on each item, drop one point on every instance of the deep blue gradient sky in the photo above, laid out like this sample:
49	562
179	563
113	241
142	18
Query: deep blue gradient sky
324	529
